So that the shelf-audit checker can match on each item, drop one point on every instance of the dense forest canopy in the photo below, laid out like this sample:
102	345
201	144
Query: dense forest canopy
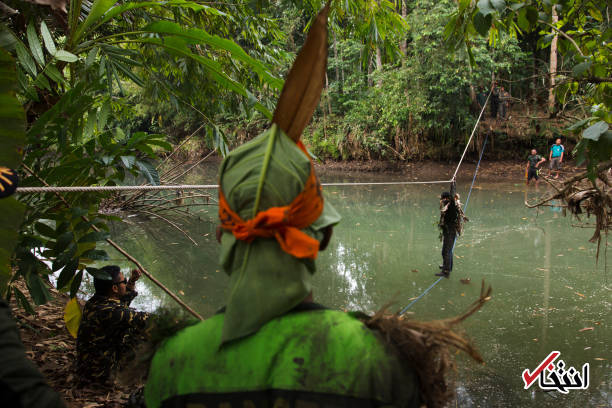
96	91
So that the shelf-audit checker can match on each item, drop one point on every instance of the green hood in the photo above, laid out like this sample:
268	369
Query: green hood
265	281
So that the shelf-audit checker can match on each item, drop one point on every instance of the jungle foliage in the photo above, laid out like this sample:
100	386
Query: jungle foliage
583	31
415	105
73	78
95	91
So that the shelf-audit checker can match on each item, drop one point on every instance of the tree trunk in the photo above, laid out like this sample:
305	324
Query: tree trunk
534	91
336	59
553	64
404	42
378	64
342	68
370	82
474	102
327	94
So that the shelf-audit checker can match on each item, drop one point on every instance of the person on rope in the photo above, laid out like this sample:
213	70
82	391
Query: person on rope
271	345
109	330
556	156
533	162
450	225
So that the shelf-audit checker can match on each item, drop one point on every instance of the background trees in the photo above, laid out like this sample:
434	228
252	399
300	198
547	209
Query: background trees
579	82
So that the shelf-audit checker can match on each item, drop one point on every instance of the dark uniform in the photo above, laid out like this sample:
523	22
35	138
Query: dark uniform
494	102
533	159
481	98
108	331
21	384
451	219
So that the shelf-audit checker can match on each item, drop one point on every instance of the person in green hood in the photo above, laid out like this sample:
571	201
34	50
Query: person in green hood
271	345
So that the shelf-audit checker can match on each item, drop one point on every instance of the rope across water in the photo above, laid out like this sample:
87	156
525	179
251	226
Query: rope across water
79	189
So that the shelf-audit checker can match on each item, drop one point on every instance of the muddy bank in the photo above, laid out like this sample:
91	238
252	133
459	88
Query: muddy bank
49	345
432	170
507	170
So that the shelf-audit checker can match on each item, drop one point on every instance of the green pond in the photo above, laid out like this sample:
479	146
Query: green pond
548	291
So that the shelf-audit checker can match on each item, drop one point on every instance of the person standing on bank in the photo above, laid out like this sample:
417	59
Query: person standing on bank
110	329
533	162
556	157
504	103
494	101
451	221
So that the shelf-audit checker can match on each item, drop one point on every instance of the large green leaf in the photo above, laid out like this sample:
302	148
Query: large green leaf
103	11
201	36
594	131
94	236
47	38
581	68
38	289
482	23
213	68
499	5
12	138
485	7
53	73
113	12
65	56
23	301
12	117
149	171
96	255
76	283
25	59
67	273
35	46
98	9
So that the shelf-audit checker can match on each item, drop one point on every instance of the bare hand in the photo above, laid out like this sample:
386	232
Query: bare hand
135	275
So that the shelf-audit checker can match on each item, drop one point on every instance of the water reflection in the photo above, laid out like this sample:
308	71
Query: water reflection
546	284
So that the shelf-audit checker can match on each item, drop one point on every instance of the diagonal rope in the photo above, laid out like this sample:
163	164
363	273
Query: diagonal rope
467	201
472	135
420	296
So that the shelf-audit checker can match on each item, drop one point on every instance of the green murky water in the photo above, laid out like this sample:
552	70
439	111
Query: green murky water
546	285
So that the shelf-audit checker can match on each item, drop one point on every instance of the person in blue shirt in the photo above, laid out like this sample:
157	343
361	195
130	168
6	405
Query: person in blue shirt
556	156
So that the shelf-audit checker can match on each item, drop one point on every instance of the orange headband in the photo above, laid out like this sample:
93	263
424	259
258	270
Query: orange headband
282	223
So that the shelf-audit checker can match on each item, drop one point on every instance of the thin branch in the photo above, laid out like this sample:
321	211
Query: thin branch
179	146
7	10
171	223
567	37
189	169
602	166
